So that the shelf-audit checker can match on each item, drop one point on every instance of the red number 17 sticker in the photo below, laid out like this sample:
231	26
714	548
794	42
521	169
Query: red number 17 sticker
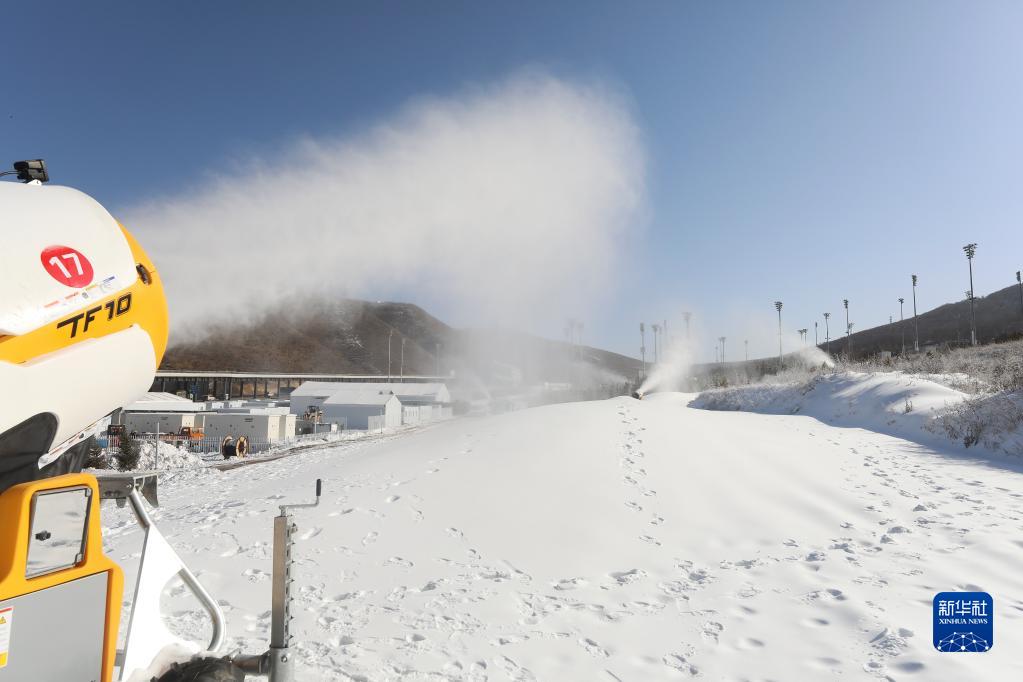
66	265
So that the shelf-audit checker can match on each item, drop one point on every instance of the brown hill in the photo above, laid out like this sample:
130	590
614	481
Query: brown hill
348	336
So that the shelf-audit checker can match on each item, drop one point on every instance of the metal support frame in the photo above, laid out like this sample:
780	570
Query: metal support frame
146	634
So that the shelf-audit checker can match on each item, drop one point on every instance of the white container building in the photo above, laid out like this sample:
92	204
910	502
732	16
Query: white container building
159	422
258	428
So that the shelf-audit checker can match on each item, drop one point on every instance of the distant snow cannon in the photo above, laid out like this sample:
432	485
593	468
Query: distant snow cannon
638	395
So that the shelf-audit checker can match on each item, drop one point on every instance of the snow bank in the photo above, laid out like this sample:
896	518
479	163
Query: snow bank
921	409
171	457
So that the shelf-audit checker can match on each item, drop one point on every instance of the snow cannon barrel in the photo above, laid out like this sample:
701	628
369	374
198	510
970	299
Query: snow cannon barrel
637	395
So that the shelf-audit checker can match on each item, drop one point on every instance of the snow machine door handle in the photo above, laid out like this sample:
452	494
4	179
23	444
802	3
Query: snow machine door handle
159	563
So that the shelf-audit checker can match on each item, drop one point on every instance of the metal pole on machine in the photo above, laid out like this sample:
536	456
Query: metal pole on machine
281	660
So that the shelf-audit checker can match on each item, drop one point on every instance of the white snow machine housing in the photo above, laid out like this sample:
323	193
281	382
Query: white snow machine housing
83	327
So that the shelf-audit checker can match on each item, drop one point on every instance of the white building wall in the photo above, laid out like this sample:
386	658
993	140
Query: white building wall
164	422
257	427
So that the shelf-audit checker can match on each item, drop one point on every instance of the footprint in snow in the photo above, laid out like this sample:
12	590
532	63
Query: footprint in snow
593	648
370	538
711	631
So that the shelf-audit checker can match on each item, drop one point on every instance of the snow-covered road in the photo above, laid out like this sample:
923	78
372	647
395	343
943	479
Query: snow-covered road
614	540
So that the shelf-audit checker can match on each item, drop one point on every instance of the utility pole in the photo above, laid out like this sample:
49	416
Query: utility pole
970	250
777	306
848	328
402	365
390	333
902	327
827	332
722	340
916	324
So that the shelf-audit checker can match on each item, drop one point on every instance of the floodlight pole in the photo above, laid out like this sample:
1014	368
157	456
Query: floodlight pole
848	328
970	250
390	333
686	317
816	342
642	346
1020	283
655	329
916	323
402	365
722	340
827	332
902	327
778	306
746	342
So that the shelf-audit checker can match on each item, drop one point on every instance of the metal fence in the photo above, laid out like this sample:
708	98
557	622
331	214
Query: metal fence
210	449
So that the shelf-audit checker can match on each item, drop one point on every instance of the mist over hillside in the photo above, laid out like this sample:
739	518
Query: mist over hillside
350	336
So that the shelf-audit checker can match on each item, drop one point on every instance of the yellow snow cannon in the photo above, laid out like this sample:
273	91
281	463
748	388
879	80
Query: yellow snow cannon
83	327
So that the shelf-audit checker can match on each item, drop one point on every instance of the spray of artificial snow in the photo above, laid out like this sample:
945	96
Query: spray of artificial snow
671	370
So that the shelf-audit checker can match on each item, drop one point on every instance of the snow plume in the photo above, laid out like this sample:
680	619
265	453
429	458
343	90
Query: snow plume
669	374
505	204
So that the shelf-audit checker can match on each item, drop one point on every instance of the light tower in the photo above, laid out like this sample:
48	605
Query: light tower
686	317
1020	283
722	340
746	342
655	329
827	332
777	306
815	341
916	324
802	336
642	345
848	329
390	333
971	250
902	327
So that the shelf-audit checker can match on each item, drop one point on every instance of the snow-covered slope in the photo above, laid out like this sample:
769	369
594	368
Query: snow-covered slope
913	407
614	540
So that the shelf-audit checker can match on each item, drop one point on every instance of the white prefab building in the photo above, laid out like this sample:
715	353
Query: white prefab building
363	409
155	401
258	428
313	393
159	422
421	402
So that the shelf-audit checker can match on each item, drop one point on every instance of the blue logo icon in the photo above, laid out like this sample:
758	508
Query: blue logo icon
963	621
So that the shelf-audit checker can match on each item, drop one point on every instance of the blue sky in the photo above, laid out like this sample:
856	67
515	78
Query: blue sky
807	152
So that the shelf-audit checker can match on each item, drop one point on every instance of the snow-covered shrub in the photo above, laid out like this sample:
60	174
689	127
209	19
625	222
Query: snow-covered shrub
990	421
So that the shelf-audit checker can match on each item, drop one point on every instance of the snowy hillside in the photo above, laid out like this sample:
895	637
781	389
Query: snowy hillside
922	409
613	540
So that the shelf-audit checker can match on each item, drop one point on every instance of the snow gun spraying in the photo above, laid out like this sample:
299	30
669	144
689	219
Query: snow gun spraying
83	327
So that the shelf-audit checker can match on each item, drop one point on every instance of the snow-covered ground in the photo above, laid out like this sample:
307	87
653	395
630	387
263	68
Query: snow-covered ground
612	540
924	409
